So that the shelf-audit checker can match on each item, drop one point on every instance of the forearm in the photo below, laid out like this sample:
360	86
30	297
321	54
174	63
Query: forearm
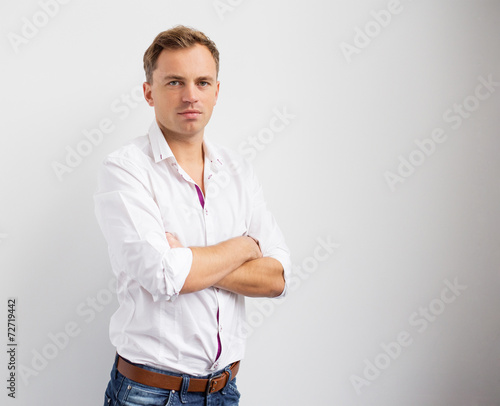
262	277
213	263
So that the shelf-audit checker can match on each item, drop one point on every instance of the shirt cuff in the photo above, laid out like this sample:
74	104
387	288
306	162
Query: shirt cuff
285	262
176	266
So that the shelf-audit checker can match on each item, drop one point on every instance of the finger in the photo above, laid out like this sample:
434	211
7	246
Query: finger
256	241
172	241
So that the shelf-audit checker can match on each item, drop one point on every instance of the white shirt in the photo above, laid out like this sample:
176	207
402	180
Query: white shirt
142	193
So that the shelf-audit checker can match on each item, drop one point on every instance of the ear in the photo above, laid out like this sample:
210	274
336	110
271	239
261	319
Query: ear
146	87
217	92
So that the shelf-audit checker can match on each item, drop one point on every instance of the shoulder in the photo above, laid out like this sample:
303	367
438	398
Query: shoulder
137	152
131	162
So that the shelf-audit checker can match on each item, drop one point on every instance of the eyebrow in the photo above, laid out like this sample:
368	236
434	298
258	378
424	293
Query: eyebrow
178	77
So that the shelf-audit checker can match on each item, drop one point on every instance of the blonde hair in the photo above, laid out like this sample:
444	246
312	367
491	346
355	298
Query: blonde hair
176	38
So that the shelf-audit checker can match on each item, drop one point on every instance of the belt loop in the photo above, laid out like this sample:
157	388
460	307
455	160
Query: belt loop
230	376
184	389
115	370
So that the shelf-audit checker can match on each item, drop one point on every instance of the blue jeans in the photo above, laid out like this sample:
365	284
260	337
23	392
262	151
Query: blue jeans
122	391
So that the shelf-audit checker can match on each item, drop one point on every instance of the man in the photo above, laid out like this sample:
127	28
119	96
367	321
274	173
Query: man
189	236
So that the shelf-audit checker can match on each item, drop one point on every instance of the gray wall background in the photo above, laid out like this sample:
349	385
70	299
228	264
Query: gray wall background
371	319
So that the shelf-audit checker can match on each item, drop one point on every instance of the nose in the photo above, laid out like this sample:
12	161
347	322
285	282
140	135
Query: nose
190	94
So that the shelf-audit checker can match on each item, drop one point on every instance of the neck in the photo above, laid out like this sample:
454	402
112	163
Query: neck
187	151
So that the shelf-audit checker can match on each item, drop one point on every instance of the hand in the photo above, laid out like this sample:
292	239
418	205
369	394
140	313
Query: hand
251	243
255	247
172	241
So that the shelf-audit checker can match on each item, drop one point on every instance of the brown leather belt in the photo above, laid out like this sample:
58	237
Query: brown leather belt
170	382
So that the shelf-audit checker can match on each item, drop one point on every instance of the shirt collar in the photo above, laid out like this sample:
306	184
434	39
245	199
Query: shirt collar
161	149
213	155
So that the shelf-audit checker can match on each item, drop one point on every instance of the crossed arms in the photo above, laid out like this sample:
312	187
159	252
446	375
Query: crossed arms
236	265
129	214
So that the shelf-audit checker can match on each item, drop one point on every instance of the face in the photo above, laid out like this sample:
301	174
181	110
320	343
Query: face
184	91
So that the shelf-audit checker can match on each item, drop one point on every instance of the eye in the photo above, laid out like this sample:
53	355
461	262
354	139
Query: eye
204	84
173	83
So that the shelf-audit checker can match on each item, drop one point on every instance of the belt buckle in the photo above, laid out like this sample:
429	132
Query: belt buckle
212	384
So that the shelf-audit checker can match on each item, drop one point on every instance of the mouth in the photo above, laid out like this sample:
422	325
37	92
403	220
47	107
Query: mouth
190	114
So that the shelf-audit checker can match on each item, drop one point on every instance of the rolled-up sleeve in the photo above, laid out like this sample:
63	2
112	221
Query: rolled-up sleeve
264	228
131	222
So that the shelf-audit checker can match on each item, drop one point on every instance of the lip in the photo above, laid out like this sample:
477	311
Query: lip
190	114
